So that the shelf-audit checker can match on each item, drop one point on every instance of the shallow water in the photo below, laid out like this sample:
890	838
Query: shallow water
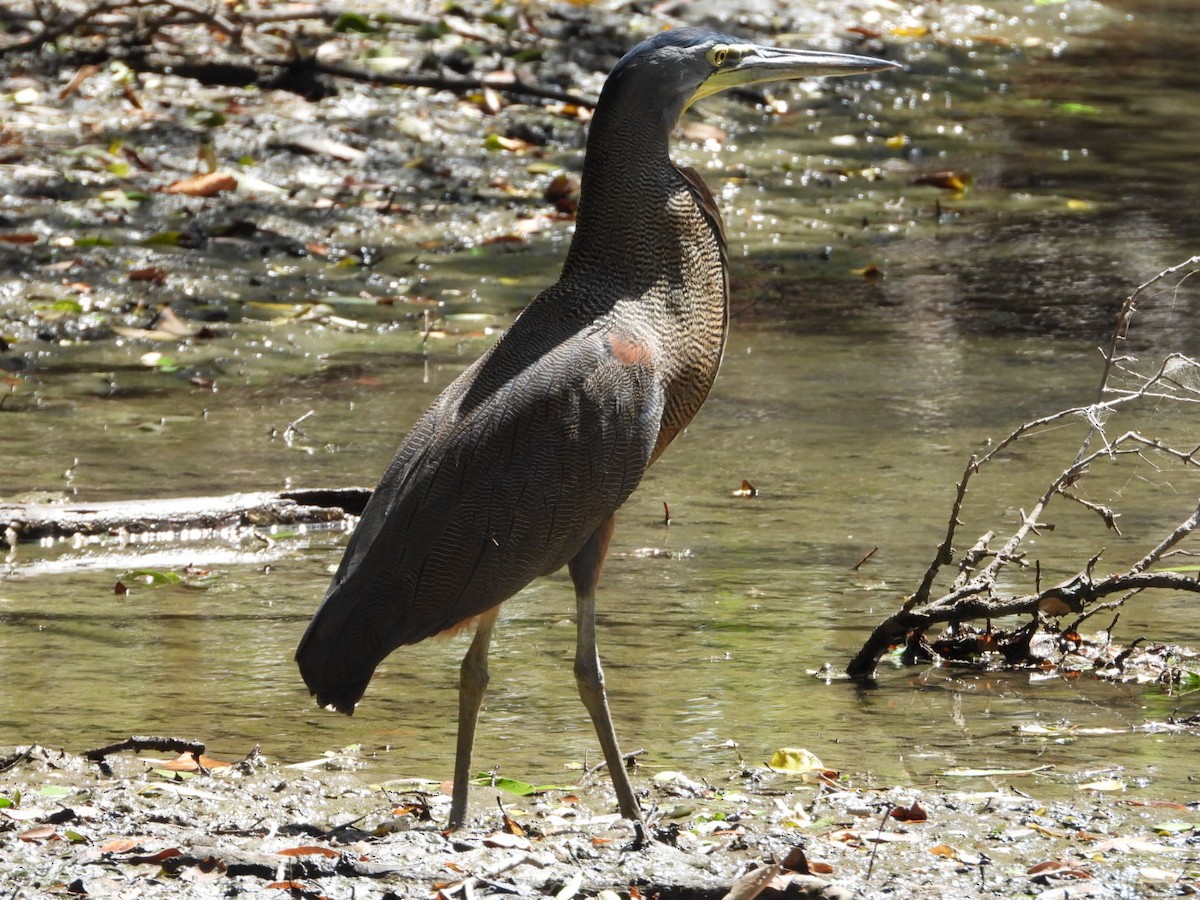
851	404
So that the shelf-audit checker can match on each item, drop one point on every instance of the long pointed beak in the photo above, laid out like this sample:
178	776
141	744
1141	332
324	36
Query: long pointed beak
759	64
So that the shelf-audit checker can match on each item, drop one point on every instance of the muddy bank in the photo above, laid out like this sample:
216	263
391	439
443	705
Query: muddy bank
150	828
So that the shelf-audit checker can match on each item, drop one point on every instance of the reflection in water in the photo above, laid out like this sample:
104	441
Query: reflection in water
850	403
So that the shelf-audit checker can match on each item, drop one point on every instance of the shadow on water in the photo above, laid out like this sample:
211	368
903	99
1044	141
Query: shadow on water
851	402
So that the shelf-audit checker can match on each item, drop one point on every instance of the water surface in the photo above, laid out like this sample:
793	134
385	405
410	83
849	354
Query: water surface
851	403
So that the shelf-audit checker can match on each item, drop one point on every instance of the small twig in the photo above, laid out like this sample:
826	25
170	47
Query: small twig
627	757
878	840
293	429
858	565
1170	541
945	551
17	758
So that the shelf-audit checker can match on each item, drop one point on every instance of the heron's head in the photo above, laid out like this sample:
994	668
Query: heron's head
672	70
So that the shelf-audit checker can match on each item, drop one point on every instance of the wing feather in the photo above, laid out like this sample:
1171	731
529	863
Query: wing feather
514	466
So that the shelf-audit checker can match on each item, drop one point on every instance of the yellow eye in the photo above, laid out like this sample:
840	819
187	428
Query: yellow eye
718	54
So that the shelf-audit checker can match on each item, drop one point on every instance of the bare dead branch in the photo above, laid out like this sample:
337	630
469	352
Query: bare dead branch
974	592
138	743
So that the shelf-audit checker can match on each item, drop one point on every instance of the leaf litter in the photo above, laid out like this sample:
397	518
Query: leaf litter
125	828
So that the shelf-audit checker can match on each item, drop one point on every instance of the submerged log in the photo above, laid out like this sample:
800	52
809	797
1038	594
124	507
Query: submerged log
24	522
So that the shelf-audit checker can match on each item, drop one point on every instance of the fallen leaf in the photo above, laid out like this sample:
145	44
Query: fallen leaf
325	147
18	237
309	850
505	841
795	760
512	826
153	274
746	490
914	813
38	833
203	185
1103	784
947	181
83	74
512	145
120	845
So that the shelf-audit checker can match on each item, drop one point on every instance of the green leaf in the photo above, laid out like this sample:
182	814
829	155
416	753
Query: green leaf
75	837
5	803
152	576
66	304
54	790
1176	827
353	21
206	118
512	786
94	241
164	239
431	31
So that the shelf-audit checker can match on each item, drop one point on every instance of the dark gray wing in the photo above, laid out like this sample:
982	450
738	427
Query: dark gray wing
514	466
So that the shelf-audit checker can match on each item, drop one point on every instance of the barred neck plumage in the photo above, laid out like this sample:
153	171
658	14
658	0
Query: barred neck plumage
629	224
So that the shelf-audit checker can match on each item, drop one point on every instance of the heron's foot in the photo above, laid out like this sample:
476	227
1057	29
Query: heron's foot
640	839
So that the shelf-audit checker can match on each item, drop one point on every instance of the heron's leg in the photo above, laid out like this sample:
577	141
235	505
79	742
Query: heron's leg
473	680
585	572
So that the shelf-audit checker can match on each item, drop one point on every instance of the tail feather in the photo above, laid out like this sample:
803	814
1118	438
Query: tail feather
336	659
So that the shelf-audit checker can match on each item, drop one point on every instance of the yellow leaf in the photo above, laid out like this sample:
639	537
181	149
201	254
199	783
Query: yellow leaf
798	761
1104	784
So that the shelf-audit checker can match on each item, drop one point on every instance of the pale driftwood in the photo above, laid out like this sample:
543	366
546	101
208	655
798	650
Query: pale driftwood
36	521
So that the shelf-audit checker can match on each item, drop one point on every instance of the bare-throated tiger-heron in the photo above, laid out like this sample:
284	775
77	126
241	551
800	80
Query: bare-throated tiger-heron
519	466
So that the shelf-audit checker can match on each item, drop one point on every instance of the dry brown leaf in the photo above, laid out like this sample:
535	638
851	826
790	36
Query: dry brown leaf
1059	869
512	826
746	490
38	833
154	274
914	813
309	850
120	845
83	74
752	883
185	762
203	185
18	237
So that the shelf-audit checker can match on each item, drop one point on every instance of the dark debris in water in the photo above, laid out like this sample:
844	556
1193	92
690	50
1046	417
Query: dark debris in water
1054	652
152	828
